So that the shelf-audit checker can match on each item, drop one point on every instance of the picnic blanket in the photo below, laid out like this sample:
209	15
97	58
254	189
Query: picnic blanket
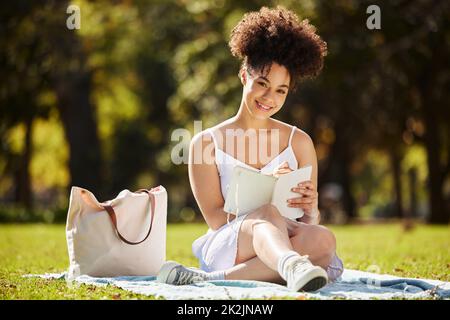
353	284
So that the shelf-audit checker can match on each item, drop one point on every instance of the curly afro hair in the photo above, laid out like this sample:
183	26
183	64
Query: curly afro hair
277	35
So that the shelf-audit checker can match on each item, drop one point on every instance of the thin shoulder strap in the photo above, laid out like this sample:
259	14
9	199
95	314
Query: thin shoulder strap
213	137
292	134
216	146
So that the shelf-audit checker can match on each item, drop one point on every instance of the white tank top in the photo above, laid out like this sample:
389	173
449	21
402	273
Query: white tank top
225	162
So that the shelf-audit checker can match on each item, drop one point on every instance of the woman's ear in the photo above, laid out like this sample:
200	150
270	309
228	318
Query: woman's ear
243	76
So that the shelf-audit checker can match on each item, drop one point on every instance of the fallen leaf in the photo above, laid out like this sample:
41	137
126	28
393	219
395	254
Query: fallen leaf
116	296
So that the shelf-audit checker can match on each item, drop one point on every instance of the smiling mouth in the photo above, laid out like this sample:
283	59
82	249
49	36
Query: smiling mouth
263	107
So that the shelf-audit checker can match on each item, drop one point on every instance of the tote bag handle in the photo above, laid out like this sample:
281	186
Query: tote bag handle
112	216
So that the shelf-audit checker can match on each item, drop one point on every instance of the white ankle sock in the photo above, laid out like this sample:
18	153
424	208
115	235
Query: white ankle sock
216	275
282	262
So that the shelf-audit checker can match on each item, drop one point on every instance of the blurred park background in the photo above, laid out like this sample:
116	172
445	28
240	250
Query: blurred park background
95	107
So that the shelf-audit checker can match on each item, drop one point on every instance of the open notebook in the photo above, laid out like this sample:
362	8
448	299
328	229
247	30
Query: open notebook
249	190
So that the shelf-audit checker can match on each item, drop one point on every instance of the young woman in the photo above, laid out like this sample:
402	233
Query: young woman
276	50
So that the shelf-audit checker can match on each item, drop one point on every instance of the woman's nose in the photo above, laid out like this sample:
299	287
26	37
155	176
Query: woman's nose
268	99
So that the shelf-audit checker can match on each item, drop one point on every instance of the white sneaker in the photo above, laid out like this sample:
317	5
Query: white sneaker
175	273
302	275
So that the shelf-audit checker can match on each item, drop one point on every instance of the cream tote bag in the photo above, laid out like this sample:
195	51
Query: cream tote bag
125	236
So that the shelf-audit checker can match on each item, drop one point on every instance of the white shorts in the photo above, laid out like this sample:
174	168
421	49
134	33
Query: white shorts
216	250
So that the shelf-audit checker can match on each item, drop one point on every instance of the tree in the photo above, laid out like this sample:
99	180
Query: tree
42	55
416	47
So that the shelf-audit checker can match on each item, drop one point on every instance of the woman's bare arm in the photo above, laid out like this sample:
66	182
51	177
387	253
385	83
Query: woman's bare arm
205	182
305	153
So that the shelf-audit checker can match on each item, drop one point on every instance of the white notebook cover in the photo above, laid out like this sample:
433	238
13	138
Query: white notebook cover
249	190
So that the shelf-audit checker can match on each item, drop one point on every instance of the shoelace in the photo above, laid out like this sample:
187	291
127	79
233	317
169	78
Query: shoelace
299	264
188	277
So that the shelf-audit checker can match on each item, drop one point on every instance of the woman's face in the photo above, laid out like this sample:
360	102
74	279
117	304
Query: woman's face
264	95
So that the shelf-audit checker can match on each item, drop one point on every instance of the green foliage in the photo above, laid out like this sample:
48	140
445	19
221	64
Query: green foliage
151	66
19	214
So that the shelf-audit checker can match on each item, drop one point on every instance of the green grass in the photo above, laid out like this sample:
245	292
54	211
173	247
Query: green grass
37	248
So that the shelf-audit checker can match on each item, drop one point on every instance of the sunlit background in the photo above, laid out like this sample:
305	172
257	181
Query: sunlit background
95	107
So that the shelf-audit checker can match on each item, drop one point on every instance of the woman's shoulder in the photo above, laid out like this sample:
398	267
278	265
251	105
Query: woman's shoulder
207	136
224	125
302	145
300	136
278	124
220	130
285	128
301	141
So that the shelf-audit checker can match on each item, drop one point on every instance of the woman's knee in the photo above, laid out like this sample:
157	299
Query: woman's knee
262	216
317	239
326	240
266	212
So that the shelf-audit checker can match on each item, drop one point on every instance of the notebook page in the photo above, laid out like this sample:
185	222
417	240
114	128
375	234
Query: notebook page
248	190
282	191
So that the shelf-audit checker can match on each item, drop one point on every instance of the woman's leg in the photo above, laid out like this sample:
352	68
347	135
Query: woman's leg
316	241
264	233
264	242
253	269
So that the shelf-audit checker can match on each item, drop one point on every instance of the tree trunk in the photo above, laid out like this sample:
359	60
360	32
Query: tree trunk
432	108
396	174
78	118
23	194
348	200
338	170
438	212
430	111
412	176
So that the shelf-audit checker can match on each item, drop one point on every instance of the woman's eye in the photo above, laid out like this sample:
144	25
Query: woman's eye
262	84
281	92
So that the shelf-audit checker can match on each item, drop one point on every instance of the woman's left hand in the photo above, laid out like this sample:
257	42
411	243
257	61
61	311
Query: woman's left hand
283	168
308	200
